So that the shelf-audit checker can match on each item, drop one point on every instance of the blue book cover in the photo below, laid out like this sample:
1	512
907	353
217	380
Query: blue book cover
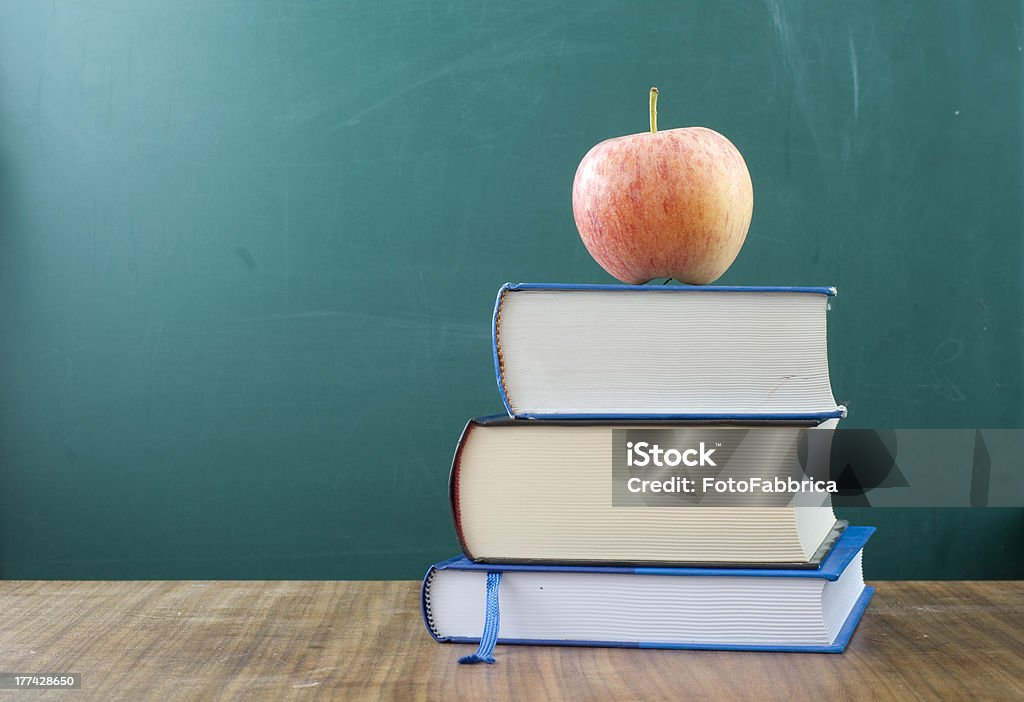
819	404
834	570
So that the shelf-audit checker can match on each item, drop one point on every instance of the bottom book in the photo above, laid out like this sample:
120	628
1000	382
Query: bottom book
796	610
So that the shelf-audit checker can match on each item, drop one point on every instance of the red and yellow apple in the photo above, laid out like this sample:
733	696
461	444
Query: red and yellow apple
664	204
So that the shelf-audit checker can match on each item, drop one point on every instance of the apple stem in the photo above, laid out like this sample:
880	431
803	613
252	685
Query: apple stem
654	110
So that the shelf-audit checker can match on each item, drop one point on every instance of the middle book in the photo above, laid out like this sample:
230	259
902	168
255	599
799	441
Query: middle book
644	493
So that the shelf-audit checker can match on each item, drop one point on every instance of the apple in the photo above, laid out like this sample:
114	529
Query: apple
668	204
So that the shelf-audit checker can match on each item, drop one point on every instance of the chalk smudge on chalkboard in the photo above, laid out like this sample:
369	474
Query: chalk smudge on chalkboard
855	78
247	257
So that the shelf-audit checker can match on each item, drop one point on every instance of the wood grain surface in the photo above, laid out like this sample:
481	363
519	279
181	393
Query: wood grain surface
365	640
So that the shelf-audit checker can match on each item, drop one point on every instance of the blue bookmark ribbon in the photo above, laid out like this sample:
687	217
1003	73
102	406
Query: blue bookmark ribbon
491	621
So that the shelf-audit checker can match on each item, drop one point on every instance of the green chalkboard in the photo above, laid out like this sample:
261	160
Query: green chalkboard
248	251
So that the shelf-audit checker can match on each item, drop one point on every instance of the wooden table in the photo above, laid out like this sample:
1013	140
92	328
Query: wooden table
365	640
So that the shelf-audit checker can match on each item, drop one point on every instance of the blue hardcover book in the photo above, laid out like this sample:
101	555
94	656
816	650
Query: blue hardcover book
796	610
663	352
557	492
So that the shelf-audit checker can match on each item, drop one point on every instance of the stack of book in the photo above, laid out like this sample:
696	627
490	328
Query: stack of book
640	492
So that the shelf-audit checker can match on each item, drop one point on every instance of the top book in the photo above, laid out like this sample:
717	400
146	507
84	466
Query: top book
672	352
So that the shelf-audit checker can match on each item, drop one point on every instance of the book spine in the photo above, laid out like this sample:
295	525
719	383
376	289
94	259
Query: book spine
428	618
499	361
453	488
